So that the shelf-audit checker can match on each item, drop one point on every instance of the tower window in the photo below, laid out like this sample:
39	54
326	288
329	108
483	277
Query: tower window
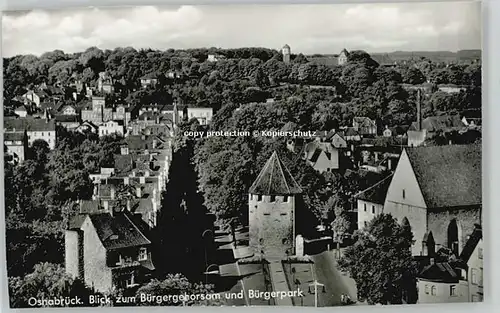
273	198
373	209
364	206
259	198
404	194
453	291
285	198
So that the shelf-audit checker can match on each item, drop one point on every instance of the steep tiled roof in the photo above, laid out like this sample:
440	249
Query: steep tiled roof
449	175
126	232
275	179
77	221
13	136
29	124
471	244
376	193
441	272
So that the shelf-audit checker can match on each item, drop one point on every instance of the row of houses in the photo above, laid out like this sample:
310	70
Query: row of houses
94	116
109	244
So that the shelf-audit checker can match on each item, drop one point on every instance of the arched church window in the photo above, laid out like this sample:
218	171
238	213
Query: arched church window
453	236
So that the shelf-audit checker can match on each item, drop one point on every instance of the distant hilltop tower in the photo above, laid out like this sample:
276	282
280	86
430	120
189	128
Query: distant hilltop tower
286	51
271	203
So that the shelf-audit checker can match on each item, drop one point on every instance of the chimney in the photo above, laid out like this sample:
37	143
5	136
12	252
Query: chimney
106	206
129	206
138	191
419	110
389	163
431	261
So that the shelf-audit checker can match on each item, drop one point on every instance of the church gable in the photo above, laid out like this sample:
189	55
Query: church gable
404	187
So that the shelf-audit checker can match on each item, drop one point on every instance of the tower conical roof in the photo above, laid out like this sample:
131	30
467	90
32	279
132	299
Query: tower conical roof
275	179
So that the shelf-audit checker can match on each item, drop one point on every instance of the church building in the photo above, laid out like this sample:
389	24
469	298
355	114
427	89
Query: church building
272	204
437	190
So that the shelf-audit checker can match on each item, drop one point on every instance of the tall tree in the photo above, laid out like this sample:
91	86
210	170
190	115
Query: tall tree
381	262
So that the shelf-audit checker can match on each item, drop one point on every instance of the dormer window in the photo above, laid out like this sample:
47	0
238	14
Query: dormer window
143	254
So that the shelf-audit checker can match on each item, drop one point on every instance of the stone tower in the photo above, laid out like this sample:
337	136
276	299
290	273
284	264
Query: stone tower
271	203
286	53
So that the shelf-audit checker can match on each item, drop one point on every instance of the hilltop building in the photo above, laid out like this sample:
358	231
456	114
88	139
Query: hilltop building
343	56
286	51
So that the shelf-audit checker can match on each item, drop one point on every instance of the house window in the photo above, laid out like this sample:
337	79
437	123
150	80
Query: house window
129	281
426	289
259	197
404	194
285	198
365	223
453	291
433	290
143	254
364	204
373	209
473	276
480	253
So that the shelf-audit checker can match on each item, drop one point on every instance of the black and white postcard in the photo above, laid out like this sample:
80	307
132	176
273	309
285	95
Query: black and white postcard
243	155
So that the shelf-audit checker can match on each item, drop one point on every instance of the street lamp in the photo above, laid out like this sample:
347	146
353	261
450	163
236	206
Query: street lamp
316	284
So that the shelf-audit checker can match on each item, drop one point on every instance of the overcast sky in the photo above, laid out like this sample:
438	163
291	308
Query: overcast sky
307	29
